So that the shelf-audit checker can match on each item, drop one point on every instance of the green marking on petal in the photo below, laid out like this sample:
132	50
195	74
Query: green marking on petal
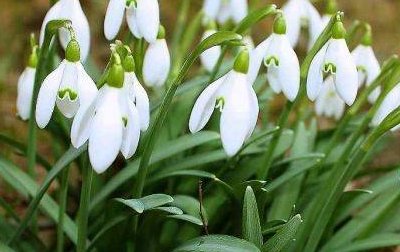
361	69
125	121
130	3
67	92
220	103
271	61
329	68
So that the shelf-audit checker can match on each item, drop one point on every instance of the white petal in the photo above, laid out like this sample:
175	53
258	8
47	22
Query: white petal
328	103
346	77
47	96
239	10
87	89
256	57
148	18
204	106
114	17
106	134
315	24
374	95
157	63
370	63
209	58
293	13
211	8
390	103
25	92
131	18
273	79
142	104
67	106
315	76
82	124
131	133
236	115
52	14
254	110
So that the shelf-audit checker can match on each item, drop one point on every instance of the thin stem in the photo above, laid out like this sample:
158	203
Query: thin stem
62	210
87	176
201	208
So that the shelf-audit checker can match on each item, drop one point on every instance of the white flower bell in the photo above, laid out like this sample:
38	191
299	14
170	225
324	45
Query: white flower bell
334	58
281	60
237	101
390	103
71	10
328	102
143	18
224	10
25	86
299	13
69	86
111	123
209	58
157	61
367	65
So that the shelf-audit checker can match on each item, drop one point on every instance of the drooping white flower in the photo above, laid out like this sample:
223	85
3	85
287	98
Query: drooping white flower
367	65
71	10
157	61
237	101
111	123
68	86
334	58
389	104
299	13
224	10
328	102
25	92
209	58
143	18
281	60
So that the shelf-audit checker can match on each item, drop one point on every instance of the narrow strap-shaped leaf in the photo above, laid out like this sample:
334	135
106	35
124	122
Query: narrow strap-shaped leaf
251	227
284	236
371	243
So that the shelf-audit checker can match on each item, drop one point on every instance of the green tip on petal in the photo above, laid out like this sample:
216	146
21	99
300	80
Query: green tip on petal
338	30
367	37
331	7
129	64
115	76
161	32
279	24
241	64
73	51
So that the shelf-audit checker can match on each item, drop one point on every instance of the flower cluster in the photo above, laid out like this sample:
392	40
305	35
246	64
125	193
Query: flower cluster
112	117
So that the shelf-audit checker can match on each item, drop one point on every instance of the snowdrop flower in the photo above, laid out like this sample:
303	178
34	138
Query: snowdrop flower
224	10
390	103
111	122
157	61
280	59
142	16
71	10
68	87
334	58
367	65
300	13
209	58
328	102
237	101
25	86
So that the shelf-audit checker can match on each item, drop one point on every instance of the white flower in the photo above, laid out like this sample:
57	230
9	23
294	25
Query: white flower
156	64
111	123
300	13
390	103
71	10
237	101
209	58
328	103
334	58
137	94
248	42
368	68
25	92
224	10
281	60
143	18
69	86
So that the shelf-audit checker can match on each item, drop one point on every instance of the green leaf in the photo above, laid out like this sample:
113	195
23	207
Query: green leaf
174	147
192	173
188	204
284	236
273	226
8	170
171	210
5	248
251	227
217	243
187	218
255	17
146	203
372	243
